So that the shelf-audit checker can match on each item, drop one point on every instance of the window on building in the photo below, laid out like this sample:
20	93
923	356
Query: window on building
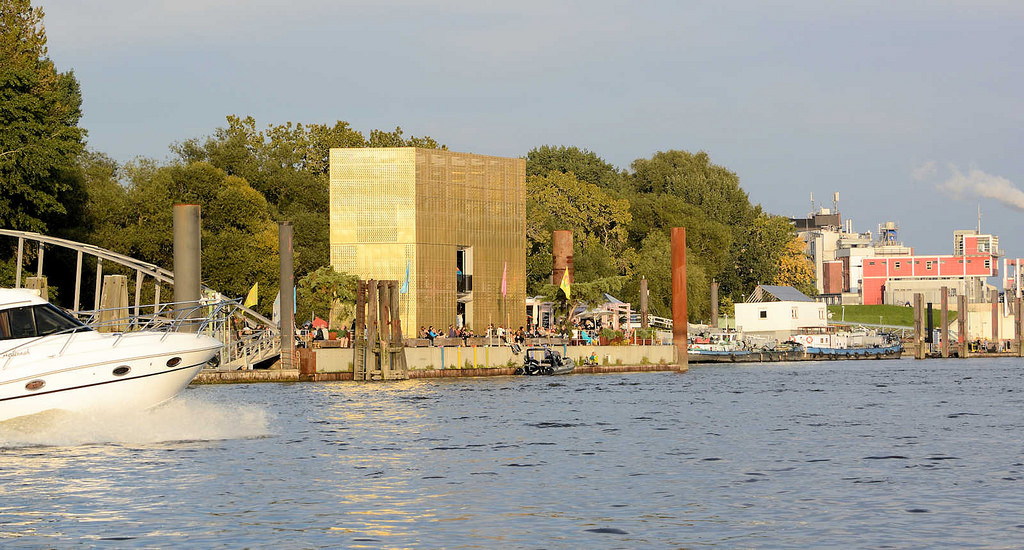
795	316
871	263
988	264
821	314
897	265
762	313
928	265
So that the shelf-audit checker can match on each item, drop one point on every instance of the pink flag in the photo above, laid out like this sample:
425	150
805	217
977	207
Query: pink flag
504	282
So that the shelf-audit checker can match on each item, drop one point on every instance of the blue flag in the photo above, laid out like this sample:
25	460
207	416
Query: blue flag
405	284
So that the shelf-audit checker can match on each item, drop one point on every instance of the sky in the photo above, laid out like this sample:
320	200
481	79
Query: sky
911	110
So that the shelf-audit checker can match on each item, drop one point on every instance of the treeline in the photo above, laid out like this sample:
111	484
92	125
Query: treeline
621	222
246	179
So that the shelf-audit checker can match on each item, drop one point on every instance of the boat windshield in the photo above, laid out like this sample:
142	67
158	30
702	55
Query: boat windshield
33	321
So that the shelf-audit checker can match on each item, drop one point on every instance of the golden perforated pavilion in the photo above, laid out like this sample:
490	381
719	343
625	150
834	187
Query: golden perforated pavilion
455	222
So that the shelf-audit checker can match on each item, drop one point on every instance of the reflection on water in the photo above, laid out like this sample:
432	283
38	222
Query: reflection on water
898	453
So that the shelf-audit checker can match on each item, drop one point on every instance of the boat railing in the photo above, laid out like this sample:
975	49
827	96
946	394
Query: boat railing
246	340
205	318
209	318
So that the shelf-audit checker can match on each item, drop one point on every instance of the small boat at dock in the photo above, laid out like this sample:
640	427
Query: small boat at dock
545	361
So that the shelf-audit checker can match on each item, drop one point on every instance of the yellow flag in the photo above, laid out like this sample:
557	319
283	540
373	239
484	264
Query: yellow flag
252	298
565	283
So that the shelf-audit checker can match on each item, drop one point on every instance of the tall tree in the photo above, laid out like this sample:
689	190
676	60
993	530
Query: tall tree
239	237
586	165
795	268
39	135
598	221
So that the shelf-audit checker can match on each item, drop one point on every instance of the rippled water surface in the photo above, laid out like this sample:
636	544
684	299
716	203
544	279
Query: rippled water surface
865	454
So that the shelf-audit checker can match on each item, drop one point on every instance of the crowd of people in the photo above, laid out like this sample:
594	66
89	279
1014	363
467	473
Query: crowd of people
585	332
580	333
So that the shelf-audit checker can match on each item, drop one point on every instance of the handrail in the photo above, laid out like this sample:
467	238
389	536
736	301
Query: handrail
149	269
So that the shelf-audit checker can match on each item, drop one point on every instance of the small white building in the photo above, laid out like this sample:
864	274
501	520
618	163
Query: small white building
779	312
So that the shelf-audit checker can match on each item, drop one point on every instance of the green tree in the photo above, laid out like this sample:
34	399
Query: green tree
327	294
692	177
586	165
239	237
763	246
795	268
39	135
655	263
559	201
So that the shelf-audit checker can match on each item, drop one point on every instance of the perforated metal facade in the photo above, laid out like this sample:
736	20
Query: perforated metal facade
398	207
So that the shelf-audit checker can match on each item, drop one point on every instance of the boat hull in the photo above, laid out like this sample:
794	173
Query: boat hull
139	371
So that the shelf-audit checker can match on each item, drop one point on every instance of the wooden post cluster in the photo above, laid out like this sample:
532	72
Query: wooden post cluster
378	348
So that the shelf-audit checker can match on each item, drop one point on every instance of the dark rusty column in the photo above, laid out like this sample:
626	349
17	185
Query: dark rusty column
944	319
1018	323
561	252
995	318
187	266
287	275
714	304
919	326
961	318
679	316
644	322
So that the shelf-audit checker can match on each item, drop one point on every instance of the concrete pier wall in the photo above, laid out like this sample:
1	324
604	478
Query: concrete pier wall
331	360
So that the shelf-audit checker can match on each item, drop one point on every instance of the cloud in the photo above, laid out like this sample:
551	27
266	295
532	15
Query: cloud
924	172
976	183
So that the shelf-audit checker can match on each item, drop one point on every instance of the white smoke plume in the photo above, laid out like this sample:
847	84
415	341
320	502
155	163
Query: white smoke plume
976	183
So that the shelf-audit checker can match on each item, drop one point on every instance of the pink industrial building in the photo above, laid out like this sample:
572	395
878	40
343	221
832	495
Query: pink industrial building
894	279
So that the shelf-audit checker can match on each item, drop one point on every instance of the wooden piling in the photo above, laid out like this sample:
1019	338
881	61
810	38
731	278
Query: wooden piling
644	322
944	319
919	326
680	336
961	319
1018	322
994	295
561	252
286	265
187	264
714	304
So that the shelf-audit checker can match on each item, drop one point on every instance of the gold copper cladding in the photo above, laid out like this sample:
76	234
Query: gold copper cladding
405	206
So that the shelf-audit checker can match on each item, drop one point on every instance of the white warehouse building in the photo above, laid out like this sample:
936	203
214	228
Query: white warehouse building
779	312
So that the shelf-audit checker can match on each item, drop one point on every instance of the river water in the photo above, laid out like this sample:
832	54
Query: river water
894	454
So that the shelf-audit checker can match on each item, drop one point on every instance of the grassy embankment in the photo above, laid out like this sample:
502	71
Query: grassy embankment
889	315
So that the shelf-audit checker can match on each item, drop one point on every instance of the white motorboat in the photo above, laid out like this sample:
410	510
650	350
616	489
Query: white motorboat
49	360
